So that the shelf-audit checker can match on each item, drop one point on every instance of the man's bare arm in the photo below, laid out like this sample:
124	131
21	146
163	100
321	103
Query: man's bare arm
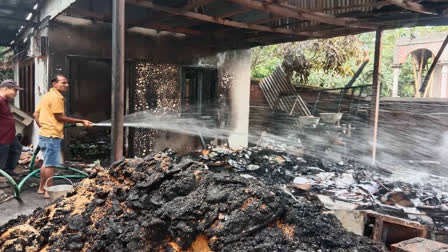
36	118
62	118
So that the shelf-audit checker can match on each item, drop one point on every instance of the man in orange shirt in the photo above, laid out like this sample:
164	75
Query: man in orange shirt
50	118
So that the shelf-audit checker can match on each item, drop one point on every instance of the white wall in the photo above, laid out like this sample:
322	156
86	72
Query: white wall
41	87
53	7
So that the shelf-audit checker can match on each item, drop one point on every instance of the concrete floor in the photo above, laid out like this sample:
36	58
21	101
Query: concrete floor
11	209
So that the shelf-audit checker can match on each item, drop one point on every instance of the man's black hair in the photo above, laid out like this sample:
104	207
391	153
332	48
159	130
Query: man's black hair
55	79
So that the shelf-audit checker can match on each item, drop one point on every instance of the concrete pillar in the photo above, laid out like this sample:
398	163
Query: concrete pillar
444	81
397	69
236	65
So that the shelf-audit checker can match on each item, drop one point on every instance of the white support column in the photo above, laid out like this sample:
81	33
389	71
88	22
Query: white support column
237	64
444	81
397	70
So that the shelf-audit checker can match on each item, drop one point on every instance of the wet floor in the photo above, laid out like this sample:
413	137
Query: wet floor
11	209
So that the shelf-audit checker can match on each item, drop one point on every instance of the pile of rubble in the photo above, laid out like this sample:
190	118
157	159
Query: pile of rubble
423	199
197	203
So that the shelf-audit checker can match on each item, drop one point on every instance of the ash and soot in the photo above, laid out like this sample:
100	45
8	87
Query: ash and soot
164	203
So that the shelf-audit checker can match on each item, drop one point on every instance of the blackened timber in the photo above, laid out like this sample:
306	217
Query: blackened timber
350	84
357	74
217	20
433	65
118	26
285	10
376	90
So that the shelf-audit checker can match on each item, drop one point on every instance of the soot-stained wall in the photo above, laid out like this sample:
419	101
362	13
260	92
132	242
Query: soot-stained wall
156	85
157	91
95	40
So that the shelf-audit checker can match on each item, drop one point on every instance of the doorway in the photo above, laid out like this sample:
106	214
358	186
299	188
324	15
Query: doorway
89	97
199	98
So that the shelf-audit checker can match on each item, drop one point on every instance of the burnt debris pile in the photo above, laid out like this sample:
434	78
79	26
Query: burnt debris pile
406	194
164	204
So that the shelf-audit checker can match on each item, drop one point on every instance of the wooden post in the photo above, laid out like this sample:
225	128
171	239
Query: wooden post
376	90
117	79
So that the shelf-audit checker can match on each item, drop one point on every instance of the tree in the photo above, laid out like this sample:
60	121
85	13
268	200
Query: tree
330	63
301	60
332	57
265	59
5	71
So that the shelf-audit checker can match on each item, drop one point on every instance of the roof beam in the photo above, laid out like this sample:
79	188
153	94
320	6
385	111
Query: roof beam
162	27
413	6
285	10
217	20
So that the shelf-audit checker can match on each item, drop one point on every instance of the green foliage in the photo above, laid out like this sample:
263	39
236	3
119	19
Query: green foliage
328	56
331	63
406	86
406	78
265	60
5	72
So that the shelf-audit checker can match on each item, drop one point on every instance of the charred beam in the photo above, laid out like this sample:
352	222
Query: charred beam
221	21
285	10
162	27
433	65
413	6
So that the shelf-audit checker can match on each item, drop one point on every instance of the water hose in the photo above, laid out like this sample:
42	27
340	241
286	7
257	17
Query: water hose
12	183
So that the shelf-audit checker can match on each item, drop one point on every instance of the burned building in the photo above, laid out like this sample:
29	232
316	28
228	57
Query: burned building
176	55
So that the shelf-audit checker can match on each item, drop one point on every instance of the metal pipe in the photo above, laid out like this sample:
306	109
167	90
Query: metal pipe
118	52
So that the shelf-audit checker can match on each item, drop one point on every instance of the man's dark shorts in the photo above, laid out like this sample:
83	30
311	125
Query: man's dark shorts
51	150
9	155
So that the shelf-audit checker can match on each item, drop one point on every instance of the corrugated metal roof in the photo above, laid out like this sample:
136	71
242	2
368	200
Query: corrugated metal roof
253	26
13	15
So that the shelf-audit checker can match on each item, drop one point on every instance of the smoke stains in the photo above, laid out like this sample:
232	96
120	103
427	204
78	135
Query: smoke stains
157	91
